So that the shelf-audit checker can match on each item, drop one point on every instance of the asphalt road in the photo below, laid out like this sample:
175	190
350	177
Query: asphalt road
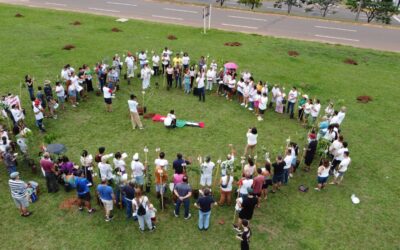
365	36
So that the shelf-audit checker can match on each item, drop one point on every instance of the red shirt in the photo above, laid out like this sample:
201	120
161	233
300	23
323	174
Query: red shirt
47	165
258	182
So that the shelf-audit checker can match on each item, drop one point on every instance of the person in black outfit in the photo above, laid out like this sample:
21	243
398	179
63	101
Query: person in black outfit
247	209
278	177
128	194
244	236
179	165
310	151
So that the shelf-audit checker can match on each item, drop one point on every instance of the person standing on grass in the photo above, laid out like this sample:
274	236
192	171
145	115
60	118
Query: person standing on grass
322	174
258	182
170	75
244	235
155	59
246	209
178	76
204	204
228	164
145	74
301	106
161	176
87	166
29	84
71	93
48	92
183	192
10	160
130	67
200	85
244	184
226	189
138	170
107	93
292	99
128	194
266	172
186	81
185	61
82	189
288	164
262	106
310	151
251	141
315	109
206	172
107	197
60	92
339	156
38	111
250	168
50	173
19	193
279	175
343	166
135	118
105	169
140	205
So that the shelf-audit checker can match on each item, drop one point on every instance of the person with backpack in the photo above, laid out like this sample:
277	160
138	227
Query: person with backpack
107	197
140	206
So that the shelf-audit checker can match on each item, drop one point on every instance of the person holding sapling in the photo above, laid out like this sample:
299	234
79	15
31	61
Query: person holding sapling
206	172
228	164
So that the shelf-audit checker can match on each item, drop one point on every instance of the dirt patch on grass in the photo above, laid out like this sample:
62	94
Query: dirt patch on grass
350	61
69	203
68	47
76	23
233	44
116	30
364	98
293	53
171	37
19	15
148	115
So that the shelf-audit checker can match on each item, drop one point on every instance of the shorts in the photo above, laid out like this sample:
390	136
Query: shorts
108	100
340	174
61	99
21	202
139	180
108	204
261	111
158	188
205	180
322	180
72	93
256	104
258	195
85	196
277	178
240	93
266	184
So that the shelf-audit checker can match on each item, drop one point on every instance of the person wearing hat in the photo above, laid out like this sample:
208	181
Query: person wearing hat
83	192
138	170
10	160
19	193
206	172
38	111
48	167
301	106
310	151
107	197
246	209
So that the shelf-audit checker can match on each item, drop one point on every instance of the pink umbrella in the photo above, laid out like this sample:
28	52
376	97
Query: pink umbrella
230	65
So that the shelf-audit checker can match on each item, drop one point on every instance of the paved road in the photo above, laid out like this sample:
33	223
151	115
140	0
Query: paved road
338	13
364	36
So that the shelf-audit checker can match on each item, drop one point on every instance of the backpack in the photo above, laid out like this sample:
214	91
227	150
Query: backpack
141	210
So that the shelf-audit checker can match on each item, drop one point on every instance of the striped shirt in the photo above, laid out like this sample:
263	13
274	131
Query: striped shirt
17	188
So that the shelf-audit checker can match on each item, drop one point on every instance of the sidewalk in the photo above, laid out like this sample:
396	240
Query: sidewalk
340	13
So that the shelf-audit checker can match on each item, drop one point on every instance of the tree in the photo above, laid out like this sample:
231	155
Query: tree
380	10
289	3
221	2
323	5
252	3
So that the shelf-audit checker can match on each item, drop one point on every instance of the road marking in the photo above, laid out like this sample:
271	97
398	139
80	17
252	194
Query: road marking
396	18
333	28
56	4
338	38
239	26
106	10
167	17
124	4
249	18
179	10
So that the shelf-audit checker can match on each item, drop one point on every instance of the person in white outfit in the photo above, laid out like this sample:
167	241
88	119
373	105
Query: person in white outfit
206	172
146	74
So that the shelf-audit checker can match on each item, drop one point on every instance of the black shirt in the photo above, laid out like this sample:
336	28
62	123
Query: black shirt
178	164
205	203
278	167
129	192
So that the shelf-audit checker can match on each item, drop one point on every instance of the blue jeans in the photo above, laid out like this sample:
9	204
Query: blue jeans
290	108
202	94
186	204
178	81
39	124
286	176
11	169
31	94
128	205
204	219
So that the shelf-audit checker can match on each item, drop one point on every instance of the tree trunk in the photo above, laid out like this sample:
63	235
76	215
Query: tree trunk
359	9
252	6
289	8
222	2
325	11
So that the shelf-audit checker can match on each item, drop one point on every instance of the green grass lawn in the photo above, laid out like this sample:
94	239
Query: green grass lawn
290	219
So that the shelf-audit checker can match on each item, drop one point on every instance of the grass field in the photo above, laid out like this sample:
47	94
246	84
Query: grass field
289	219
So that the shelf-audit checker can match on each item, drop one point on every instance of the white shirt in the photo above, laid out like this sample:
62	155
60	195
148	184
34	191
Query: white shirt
246	183
344	164
142	58
60	91
315	110
214	66
227	183
340	117
168	120
240	86
324	172
38	113
145	73
185	60
17	114
274	92
107	92
307	108
156	60
161	162
227	165
105	171
246	76
251	139
292	96
130	61
200	81
143	200
133	106
65	74
207	168
137	168
340	154
119	164
263	103
210	75
288	161
335	146
249	170
232	83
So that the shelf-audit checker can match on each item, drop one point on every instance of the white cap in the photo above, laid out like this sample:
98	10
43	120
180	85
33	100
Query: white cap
136	157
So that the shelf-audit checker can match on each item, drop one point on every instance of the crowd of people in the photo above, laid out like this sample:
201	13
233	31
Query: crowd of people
126	188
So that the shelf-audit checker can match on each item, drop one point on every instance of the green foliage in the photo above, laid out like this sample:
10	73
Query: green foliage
252	3
290	3
379	10
322	147
324	6
49	138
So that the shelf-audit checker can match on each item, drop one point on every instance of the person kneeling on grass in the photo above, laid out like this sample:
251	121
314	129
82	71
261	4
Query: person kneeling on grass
323	174
19	193
107	197
204	205
82	189
170	120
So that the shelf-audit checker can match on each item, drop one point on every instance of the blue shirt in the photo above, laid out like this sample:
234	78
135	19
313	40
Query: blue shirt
81	185
105	192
